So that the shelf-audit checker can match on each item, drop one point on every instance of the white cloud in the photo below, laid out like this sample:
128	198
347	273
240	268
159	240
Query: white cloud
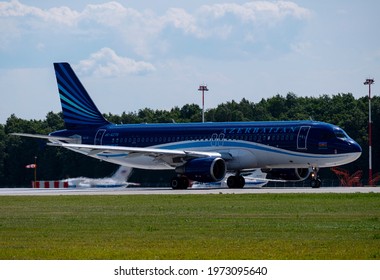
257	11
108	14
106	63
142	30
181	19
61	15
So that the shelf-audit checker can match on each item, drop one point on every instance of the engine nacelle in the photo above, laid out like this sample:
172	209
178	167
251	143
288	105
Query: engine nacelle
288	174
209	169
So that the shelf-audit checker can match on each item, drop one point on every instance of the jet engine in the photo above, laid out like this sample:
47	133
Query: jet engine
209	169
288	174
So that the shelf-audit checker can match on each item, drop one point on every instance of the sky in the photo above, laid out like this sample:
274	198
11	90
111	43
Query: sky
132	55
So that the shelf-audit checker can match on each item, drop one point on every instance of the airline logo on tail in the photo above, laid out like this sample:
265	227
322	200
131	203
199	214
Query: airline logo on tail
78	109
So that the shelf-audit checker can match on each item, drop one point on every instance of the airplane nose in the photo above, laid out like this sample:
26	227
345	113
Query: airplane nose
354	147
349	146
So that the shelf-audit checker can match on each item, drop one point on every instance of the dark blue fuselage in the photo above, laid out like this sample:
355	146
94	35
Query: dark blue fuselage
297	136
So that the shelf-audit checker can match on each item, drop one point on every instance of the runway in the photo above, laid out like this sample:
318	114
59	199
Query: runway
168	191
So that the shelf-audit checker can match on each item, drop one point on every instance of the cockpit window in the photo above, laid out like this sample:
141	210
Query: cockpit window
339	133
326	135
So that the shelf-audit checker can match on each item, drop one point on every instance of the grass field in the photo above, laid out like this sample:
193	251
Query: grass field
262	226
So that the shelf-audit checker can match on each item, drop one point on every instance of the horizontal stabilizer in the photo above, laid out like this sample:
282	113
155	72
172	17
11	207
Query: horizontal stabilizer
53	139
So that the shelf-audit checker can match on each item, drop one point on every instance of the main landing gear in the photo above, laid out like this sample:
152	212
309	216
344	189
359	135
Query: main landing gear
235	181
315	182
180	183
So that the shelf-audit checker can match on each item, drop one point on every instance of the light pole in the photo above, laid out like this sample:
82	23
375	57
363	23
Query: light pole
203	88
369	82
35	171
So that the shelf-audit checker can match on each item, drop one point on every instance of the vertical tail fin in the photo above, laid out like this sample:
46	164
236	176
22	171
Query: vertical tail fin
79	111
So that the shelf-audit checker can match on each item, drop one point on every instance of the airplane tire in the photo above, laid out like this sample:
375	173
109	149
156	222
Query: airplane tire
231	182
179	183
235	182
241	182
315	183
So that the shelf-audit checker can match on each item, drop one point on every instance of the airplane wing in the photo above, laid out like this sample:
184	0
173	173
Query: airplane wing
155	158
119	154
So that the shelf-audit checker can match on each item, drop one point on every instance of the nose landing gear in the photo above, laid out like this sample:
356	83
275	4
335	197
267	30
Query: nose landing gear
315	182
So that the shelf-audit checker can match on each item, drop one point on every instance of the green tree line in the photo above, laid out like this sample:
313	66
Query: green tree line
342	109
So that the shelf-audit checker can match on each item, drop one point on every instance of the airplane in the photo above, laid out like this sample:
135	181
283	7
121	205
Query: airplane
202	152
117	180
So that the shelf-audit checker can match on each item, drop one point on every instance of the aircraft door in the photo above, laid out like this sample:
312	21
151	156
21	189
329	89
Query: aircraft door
99	137
302	137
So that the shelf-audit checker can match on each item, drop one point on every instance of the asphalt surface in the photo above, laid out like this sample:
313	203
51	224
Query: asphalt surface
161	191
